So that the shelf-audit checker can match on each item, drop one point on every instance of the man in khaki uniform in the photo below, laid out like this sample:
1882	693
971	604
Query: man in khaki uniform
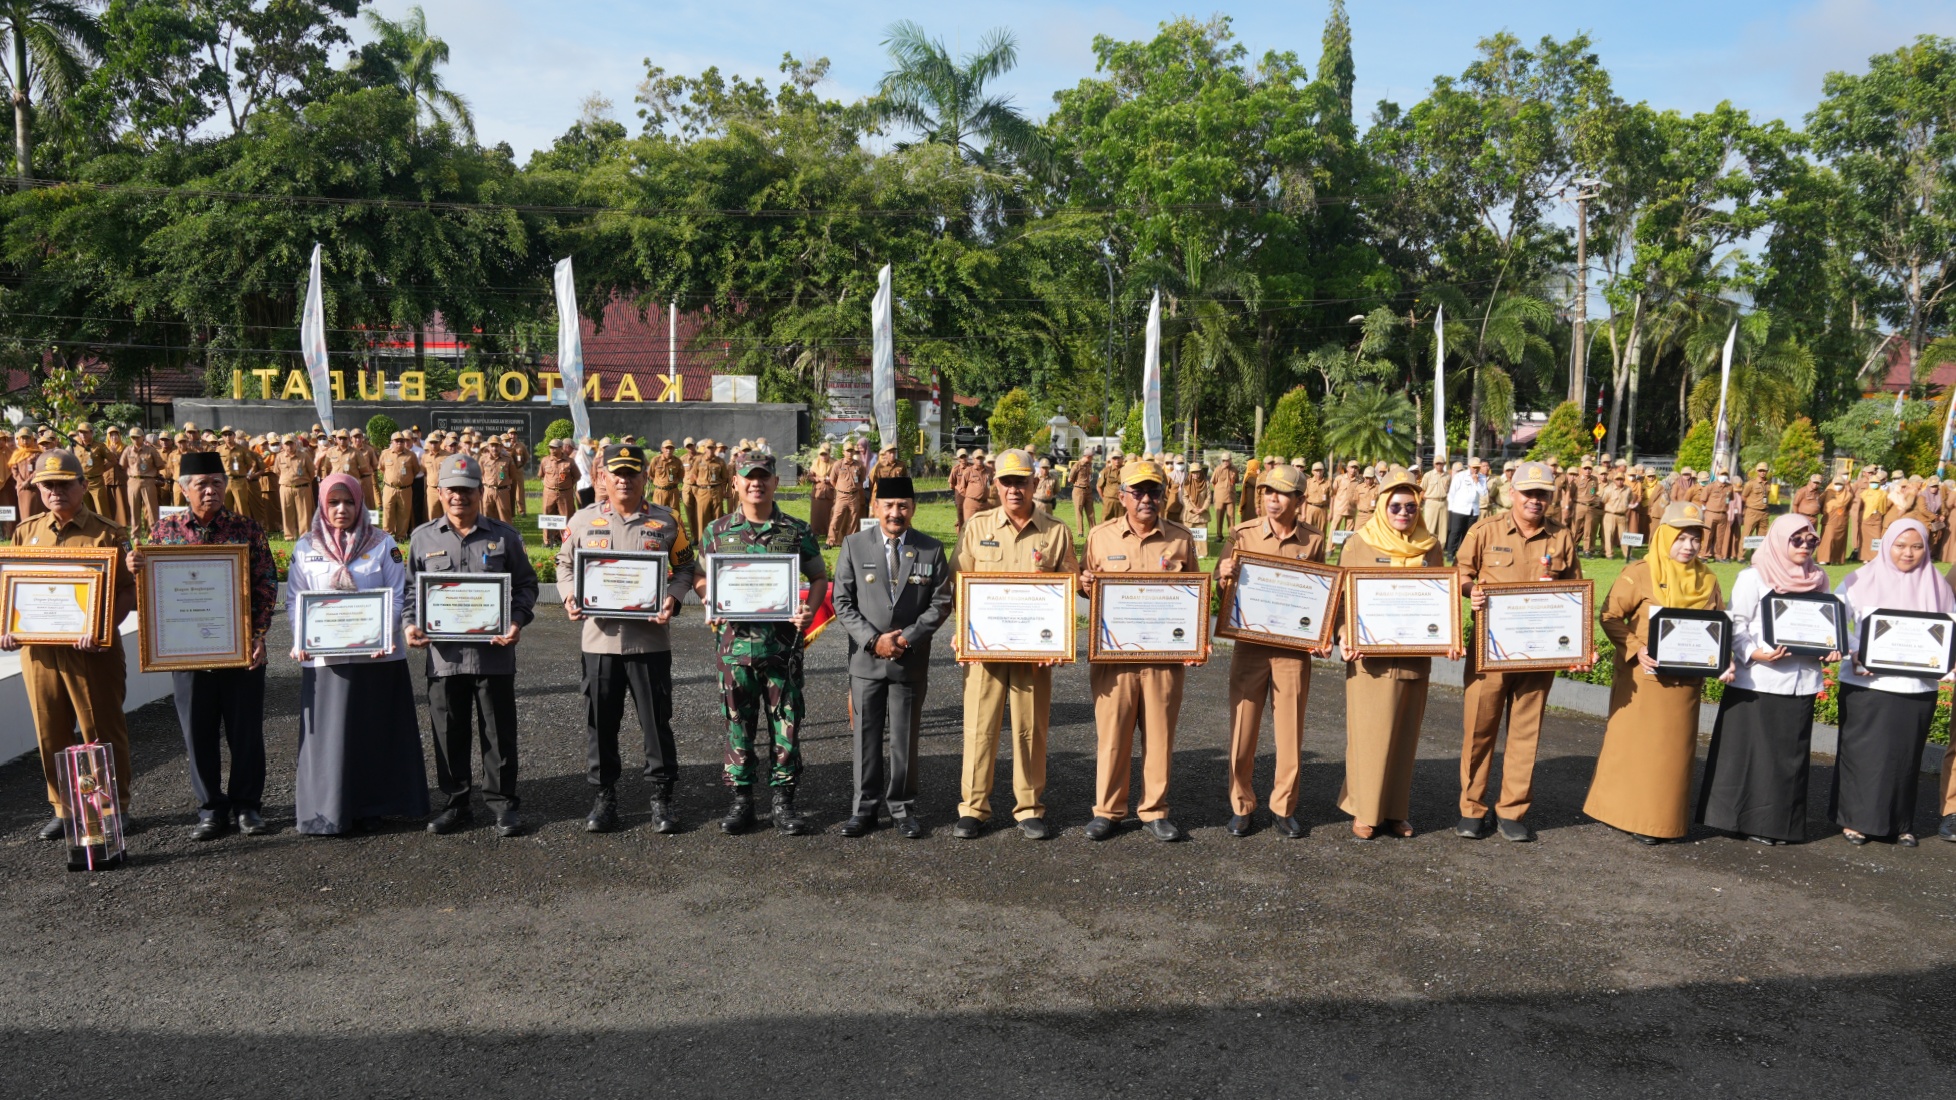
95	469
295	489
241	493
973	491
398	469
1195	498
1616	514
80	685
1109	487
1806	500
1124	694
1080	477
113	479
1344	498
1367	499
1012	538
712	480
1522	545
497	478
369	463
1222	490
142	470
1433	498
1316	510
1758	496
1714	497
1258	672
1589	506
846	514
667	480
559	476
519	456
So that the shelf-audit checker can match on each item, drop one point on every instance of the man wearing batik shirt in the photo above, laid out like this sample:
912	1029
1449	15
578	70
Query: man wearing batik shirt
233	698
760	662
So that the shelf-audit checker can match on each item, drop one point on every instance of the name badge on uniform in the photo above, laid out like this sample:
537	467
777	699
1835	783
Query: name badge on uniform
1504	550
1117	557
435	554
1381	561
988	542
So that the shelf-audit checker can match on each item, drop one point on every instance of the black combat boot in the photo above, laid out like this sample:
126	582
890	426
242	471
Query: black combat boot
604	812
663	819
786	818
740	816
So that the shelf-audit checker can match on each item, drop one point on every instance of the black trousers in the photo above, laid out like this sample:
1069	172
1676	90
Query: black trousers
587	496
892	712
647	677
454	704
233	698
1457	526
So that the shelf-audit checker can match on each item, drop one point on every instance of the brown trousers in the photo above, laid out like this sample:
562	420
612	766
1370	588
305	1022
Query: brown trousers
1756	523
708	506
1122	696
1256	673
1383	713
102	499
1589	526
1082	510
66	689
988	690
1613	534
295	504
1716	532
1519	697
142	503
847	516
563	502
821	510
397	510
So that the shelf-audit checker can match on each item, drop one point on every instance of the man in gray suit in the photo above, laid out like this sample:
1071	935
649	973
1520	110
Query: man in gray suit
893	589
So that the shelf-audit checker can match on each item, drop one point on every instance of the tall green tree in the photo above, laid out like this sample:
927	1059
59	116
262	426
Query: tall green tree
405	55
46	48
947	100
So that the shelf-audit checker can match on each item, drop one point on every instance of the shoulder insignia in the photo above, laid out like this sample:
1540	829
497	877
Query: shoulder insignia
395	553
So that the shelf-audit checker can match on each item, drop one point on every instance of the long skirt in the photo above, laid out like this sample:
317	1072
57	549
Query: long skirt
1833	541
359	747
1878	767
1383	712
1756	771
1643	773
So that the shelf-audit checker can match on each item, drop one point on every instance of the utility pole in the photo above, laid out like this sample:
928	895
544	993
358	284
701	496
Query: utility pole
1587	188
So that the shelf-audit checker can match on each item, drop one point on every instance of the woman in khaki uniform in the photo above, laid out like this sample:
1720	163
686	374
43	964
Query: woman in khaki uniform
1643	773
821	493
1385	697
1833	534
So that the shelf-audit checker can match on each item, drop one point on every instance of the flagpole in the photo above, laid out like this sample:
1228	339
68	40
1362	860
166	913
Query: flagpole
1439	386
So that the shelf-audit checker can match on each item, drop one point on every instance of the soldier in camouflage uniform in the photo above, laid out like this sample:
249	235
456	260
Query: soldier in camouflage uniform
760	662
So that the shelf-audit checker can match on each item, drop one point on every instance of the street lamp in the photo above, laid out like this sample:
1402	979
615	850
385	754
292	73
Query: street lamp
1107	392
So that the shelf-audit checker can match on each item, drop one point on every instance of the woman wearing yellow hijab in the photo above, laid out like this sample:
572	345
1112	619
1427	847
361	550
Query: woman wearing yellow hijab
1643	774
1385	697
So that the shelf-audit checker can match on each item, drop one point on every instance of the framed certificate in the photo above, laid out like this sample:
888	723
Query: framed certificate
1536	626
621	584
104	561
1149	617
462	607
346	624
1685	641
193	607
1277	601
752	587
1411	612
52	608
1907	643
1812	624
1015	617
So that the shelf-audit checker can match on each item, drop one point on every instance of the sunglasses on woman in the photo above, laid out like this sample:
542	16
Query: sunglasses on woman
1405	509
1804	542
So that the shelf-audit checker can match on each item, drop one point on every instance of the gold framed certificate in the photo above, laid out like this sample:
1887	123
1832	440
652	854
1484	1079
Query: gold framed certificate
1015	617
51	608
462	607
1535	626
1148	618
1412	612
331	623
752	587
1286	602
620	584
193	607
104	561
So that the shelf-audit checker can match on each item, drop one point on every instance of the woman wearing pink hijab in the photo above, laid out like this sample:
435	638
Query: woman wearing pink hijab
1755	782
1885	718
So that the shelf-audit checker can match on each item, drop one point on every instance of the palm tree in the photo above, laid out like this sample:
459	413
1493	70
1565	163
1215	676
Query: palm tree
945	100
46	47
410	55
1772	377
1371	423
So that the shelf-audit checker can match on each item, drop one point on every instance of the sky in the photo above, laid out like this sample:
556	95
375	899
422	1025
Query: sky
525	67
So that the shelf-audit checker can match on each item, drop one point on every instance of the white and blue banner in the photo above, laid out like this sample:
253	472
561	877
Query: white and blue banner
570	349
312	345
1151	381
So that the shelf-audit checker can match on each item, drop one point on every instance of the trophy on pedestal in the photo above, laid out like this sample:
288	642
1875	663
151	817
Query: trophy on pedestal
94	819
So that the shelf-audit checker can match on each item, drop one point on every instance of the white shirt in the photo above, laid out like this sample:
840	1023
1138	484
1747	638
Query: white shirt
379	567
1900	685
582	456
1464	494
1790	675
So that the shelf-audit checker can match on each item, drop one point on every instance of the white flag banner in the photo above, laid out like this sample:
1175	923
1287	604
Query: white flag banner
570	349
1151	381
312	345
1722	436
1439	386
882	363
1948	440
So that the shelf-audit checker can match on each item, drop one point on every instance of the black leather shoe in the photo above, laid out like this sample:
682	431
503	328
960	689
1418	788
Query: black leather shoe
967	828
1516	831
1473	828
740	816
859	825
1163	829
251	822
207	828
1239	825
451	819
1646	841
787	820
1289	828
604	812
54	829
663	819
1035	828
1947	832
910	826
509	823
1100	828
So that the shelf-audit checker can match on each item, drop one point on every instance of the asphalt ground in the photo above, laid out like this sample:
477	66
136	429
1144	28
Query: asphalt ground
636	964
